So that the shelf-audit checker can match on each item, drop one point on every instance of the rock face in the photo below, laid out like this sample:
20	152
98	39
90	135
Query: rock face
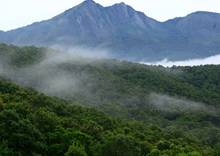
124	32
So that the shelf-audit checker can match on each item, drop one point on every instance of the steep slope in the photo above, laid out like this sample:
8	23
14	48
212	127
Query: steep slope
32	123
143	95
198	29
122	33
87	21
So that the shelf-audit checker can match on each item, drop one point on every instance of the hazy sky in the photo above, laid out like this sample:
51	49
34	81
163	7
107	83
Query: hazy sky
18	13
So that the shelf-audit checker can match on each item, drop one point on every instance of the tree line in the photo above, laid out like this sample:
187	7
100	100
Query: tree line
151	110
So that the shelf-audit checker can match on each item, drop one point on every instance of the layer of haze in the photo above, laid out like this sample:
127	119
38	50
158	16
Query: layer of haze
69	76
169	104
194	62
14	14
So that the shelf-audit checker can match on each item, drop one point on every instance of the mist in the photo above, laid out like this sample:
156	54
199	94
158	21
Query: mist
85	81
51	75
71	76
193	62
89	52
169	104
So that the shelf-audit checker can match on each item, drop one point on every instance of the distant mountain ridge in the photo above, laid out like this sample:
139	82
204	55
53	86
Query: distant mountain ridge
124	33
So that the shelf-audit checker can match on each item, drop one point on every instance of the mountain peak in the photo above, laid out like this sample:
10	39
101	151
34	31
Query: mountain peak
89	1
122	3
125	32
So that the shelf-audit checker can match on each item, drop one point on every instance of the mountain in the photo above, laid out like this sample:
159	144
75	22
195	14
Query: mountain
200	31
121	32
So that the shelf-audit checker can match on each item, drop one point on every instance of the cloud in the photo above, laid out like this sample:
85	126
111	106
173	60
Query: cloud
194	62
98	52
169	104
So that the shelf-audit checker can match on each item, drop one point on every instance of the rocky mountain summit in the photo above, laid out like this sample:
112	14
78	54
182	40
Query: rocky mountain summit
123	33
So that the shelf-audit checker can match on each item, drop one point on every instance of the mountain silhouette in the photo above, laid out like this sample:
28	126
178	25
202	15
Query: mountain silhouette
124	33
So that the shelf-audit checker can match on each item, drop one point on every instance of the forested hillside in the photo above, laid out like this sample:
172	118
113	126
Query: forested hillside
151	110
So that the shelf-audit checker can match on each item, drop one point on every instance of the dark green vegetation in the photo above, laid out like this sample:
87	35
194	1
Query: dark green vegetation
146	112
124	33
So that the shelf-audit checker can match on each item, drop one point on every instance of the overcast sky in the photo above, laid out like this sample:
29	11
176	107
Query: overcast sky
18	13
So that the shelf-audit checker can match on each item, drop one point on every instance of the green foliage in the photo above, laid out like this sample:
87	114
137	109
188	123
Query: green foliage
93	129
155	128
4	150
76	150
154	152
163	145
145	147
20	135
146	114
121	145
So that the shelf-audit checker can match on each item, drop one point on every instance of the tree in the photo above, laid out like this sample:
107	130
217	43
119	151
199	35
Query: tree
71	140
95	130
121	145
76	150
20	135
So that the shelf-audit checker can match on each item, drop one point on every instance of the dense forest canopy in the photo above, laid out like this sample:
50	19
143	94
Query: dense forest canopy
71	105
